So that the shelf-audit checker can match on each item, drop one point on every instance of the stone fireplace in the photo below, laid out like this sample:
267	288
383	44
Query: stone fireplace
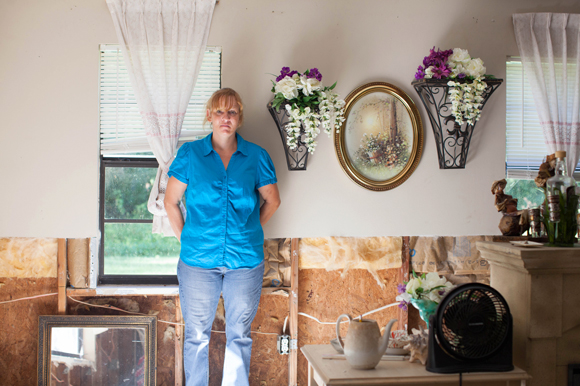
542	288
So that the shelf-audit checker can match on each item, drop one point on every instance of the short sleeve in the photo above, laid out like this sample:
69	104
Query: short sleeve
266	171
180	166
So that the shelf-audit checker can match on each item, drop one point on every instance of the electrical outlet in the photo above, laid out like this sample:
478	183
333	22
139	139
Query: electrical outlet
283	344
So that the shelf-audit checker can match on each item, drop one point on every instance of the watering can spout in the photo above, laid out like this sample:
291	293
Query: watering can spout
385	338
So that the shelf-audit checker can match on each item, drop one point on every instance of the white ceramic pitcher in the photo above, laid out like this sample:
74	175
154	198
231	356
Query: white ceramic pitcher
363	346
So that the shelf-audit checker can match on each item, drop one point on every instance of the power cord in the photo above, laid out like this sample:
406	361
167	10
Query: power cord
181	324
344	321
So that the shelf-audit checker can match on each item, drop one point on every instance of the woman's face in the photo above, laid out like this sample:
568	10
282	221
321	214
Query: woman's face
225	120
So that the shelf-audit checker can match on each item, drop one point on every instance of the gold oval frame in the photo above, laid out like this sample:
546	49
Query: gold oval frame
418	137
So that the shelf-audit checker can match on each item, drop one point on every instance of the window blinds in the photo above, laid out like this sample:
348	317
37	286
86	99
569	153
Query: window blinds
121	125
525	146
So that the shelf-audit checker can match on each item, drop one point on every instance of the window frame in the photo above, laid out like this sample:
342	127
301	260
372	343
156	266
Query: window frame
102	278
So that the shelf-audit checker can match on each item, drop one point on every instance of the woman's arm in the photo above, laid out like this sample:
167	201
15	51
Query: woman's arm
271	198
173	194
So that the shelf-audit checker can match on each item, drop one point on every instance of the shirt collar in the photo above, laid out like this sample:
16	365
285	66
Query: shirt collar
242	145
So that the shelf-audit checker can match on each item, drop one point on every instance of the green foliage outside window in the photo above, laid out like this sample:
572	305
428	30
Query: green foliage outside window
526	191
127	191
129	247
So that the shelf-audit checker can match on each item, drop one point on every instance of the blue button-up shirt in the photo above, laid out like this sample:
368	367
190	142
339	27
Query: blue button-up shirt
222	227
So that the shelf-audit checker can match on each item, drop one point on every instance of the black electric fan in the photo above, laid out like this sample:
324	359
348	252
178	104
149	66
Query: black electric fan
471	331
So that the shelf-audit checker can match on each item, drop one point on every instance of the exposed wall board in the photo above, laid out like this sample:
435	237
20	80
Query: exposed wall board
78	258
27	257
453	256
344	253
277	263
19	326
326	295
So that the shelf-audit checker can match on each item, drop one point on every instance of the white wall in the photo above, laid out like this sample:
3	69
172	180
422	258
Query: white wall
49	142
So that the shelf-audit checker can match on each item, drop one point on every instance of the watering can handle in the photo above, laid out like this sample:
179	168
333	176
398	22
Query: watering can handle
338	328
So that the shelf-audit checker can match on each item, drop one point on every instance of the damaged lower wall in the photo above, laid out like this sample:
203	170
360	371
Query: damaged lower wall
336	275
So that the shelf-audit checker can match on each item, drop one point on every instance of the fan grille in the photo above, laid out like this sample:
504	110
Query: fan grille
474	322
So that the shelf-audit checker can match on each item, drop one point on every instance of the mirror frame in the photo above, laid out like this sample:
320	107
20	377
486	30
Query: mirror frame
416	145
47	322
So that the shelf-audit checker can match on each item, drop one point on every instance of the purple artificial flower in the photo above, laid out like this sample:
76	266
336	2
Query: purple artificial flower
420	74
291	73
401	288
436	57
461	75
441	292
403	305
314	73
285	71
441	70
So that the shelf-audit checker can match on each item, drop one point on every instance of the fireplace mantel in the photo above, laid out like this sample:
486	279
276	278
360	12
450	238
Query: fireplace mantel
542	288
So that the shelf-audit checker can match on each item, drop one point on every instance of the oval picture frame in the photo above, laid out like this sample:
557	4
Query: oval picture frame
380	143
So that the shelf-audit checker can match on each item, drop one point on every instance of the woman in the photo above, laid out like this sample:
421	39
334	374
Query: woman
221	237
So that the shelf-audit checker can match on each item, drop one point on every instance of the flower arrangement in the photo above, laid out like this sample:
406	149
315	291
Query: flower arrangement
427	286
466	80
309	105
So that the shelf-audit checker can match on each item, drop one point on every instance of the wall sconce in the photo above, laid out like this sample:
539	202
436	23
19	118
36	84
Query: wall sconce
452	139
297	158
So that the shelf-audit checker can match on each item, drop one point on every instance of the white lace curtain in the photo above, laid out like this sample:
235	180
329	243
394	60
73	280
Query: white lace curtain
163	42
549	44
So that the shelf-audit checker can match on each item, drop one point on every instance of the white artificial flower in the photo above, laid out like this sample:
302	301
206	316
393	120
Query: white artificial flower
405	297
466	100
460	56
287	87
412	286
432	280
304	126
475	68
429	72
434	296
309	85
457	69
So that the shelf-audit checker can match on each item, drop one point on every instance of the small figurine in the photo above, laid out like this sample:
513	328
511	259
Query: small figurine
513	222
503	202
417	344
547	170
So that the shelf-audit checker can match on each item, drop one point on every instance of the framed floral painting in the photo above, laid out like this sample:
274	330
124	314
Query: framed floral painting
379	145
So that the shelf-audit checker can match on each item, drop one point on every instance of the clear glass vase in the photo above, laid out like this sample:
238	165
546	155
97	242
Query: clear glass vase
426	308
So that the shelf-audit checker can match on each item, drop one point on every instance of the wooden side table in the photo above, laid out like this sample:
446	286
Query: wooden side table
331	372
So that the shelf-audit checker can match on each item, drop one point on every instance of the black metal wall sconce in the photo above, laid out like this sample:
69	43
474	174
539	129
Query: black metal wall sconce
297	158
452	139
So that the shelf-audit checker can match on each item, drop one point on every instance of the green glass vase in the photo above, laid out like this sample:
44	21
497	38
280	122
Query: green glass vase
426	308
563	233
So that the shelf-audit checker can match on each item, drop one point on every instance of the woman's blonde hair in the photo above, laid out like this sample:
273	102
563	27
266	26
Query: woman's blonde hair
224	98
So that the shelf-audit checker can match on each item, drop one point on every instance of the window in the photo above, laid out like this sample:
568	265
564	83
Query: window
525	146
129	252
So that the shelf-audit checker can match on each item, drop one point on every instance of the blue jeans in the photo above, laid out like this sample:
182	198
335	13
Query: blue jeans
199	293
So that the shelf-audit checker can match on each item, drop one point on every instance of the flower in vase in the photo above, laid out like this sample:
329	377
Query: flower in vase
466	77
309	104
475	68
287	87
428	286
